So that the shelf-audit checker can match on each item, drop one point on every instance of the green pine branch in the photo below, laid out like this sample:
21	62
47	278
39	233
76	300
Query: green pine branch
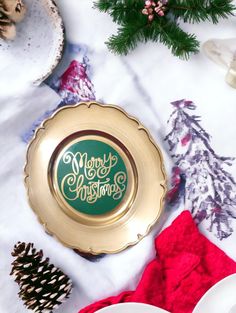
179	42
196	11
135	27
121	10
126	39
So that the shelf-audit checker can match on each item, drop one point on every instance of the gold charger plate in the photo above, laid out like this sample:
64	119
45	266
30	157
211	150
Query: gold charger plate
95	178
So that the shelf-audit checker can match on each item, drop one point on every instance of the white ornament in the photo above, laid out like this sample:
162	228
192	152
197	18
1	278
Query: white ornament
223	53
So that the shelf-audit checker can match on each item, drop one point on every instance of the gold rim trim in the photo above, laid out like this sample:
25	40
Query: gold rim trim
162	183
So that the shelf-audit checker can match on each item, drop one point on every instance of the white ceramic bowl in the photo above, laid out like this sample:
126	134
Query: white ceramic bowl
220	298
131	308
37	48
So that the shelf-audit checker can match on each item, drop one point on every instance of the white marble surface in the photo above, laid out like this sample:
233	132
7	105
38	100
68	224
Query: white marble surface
144	83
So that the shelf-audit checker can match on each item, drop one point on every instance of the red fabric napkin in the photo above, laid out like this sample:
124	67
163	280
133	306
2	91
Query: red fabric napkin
186	265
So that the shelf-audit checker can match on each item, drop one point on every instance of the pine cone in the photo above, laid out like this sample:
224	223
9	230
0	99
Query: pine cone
15	10
43	287
7	28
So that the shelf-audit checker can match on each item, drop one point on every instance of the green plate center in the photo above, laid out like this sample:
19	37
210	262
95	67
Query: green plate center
92	177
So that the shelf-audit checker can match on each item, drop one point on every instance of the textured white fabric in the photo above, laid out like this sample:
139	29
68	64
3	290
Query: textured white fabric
144	83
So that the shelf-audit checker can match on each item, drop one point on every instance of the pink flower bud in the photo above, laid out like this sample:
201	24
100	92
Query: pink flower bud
161	13
148	3
150	17
150	10
145	11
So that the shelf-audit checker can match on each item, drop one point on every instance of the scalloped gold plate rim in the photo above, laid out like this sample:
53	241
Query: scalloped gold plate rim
110	233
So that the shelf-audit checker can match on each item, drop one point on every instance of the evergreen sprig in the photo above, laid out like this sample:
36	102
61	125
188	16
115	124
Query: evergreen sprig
134	26
119	10
196	11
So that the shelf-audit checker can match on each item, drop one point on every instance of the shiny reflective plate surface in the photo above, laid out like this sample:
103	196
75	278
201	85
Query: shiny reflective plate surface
95	178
